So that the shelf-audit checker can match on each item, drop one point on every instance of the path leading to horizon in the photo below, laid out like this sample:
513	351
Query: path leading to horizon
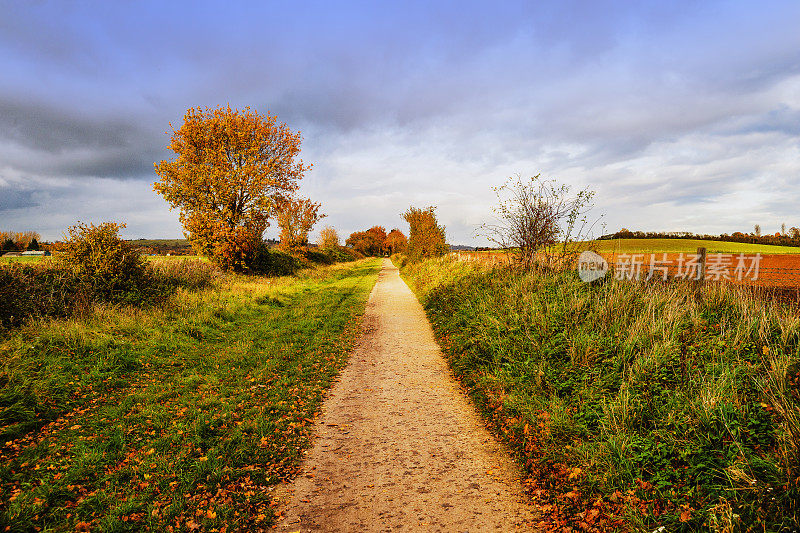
398	446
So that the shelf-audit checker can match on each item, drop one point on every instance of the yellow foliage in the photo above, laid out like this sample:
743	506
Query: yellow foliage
233	169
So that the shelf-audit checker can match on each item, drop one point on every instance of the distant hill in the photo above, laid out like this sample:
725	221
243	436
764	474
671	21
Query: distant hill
461	247
163	246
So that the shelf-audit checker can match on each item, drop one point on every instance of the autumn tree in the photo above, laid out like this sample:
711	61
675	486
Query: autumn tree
232	171
396	242
328	238
20	240
296	217
370	242
426	236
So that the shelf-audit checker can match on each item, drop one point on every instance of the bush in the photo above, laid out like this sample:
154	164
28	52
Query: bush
399	260
112	267
341	254
35	290
318	257
273	262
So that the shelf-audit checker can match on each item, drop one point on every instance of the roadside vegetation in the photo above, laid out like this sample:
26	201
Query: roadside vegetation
176	416
631	406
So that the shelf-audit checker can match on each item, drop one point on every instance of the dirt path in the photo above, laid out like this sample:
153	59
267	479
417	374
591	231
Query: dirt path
398	445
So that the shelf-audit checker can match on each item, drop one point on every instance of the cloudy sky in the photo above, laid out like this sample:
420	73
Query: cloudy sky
681	115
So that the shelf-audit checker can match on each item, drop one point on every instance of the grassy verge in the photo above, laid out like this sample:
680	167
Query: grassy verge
176	418
632	407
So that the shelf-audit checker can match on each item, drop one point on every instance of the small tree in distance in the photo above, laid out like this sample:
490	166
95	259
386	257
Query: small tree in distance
539	221
296	218
396	242
426	237
328	238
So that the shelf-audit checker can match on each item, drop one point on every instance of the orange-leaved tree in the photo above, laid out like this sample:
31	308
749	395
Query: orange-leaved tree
396	242
426	237
370	242
233	169
296	217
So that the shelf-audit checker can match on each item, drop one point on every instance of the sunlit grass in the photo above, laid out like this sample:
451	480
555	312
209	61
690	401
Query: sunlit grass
179	416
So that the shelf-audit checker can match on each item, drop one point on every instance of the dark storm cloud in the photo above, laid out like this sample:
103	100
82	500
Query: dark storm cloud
38	138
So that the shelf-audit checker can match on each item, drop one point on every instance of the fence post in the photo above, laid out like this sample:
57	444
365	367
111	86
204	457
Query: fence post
701	263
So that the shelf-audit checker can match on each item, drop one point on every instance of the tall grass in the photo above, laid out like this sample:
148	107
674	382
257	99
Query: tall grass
186	273
632	405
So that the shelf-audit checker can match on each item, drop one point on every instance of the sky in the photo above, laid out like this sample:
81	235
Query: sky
680	115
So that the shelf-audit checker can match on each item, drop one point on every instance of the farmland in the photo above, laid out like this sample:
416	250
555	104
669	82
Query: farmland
632	406
628	246
180	415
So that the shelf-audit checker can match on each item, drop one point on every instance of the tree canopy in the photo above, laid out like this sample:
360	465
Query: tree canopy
396	241
232	171
426	237
296	217
328	238
370	242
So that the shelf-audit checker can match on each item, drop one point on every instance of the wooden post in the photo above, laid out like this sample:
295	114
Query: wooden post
701	264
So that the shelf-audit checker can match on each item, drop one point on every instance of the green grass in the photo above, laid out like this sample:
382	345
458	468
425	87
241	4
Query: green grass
178	417
25	259
631	406
627	246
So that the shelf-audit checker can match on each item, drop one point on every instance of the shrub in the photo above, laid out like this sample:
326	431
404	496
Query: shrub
319	257
36	290
341	254
273	262
328	238
100	258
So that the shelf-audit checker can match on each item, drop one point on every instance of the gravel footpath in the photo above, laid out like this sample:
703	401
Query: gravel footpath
398	446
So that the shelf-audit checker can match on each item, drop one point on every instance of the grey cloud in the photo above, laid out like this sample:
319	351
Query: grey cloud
43	127
40	139
16	199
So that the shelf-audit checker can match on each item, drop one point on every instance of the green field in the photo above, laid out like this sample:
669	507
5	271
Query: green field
627	246
177	417
28	259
